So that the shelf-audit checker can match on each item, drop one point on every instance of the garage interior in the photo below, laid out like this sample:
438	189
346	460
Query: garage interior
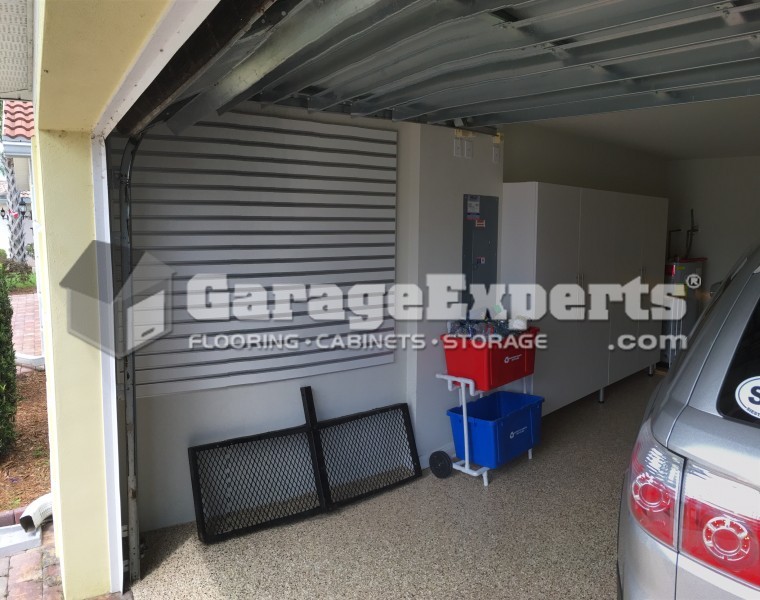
650	99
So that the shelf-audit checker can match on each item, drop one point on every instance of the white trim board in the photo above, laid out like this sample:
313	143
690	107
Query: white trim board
108	373
180	20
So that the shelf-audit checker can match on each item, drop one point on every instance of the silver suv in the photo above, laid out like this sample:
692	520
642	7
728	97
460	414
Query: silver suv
690	512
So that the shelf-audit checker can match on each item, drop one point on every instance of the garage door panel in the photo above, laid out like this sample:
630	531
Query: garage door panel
207	211
243	197
253	255
241	180
236	240
156	145
252	376
299	170
265	201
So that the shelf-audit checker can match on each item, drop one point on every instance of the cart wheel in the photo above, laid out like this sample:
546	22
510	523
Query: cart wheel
440	464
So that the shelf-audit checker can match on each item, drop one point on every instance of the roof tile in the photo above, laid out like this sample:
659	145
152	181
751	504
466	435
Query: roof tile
18	120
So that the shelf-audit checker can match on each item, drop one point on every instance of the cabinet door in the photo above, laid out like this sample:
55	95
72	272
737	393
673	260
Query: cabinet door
597	266
517	233
653	248
629	223
558	224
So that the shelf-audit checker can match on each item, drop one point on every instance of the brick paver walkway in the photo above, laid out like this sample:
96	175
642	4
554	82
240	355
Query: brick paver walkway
36	574
32	574
27	335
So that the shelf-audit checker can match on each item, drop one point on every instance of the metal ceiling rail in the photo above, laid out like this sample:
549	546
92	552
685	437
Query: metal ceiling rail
482	87
487	96
324	28
307	24
431	34
717	89
414	19
656	81
485	61
585	52
447	59
227	22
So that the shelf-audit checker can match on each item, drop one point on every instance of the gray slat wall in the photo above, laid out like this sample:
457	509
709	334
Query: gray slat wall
265	200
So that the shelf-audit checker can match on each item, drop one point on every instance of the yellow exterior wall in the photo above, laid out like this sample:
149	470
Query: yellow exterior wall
83	50
87	48
65	212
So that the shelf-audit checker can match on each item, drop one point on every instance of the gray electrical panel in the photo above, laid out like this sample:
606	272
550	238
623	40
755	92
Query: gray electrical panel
480	238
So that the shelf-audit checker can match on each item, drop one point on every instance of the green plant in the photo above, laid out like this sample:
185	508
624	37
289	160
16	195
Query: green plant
3	255
8	394
30	250
18	282
17	266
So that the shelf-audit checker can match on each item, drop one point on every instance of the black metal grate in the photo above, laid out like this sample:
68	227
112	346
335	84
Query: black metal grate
368	452
248	483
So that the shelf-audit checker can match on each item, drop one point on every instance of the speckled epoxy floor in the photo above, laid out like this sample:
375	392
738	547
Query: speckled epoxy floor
543	529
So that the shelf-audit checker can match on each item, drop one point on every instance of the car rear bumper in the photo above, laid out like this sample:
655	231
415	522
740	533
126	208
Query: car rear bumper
646	568
698	582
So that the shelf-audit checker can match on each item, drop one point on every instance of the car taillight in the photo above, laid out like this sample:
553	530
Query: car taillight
721	523
653	486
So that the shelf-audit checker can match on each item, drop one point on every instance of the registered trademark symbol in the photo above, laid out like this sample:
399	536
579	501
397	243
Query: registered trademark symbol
694	281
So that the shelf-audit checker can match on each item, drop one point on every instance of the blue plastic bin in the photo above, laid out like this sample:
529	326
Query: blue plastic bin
502	425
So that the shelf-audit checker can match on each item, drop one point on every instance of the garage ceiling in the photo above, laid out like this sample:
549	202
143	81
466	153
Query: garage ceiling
723	129
483	63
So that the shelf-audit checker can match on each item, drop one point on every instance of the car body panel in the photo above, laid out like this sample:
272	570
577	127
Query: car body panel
695	581
725	447
647	568
685	419
680	384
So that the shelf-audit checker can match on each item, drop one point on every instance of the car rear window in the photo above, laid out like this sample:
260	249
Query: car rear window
739	396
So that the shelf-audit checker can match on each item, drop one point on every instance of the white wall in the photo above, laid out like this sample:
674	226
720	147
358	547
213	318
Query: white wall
725	196
21	166
431	183
537	153
444	179
168	425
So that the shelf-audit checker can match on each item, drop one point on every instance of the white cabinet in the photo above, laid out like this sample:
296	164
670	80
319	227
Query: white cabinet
551	234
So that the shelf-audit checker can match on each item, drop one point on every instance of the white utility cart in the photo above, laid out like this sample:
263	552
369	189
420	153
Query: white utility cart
441	463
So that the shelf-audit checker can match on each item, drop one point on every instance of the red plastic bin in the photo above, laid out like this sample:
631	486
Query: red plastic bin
491	364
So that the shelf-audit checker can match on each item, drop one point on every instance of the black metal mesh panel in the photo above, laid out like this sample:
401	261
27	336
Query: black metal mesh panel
249	483
245	484
367	452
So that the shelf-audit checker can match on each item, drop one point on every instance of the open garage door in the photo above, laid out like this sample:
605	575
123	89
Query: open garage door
472	64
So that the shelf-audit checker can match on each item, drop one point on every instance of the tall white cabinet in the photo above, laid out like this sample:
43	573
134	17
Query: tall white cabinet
551	234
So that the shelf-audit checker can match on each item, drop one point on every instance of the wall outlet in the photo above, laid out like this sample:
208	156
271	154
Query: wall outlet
458	147
468	148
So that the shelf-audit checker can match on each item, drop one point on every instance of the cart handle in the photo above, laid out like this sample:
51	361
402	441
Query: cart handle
469	384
